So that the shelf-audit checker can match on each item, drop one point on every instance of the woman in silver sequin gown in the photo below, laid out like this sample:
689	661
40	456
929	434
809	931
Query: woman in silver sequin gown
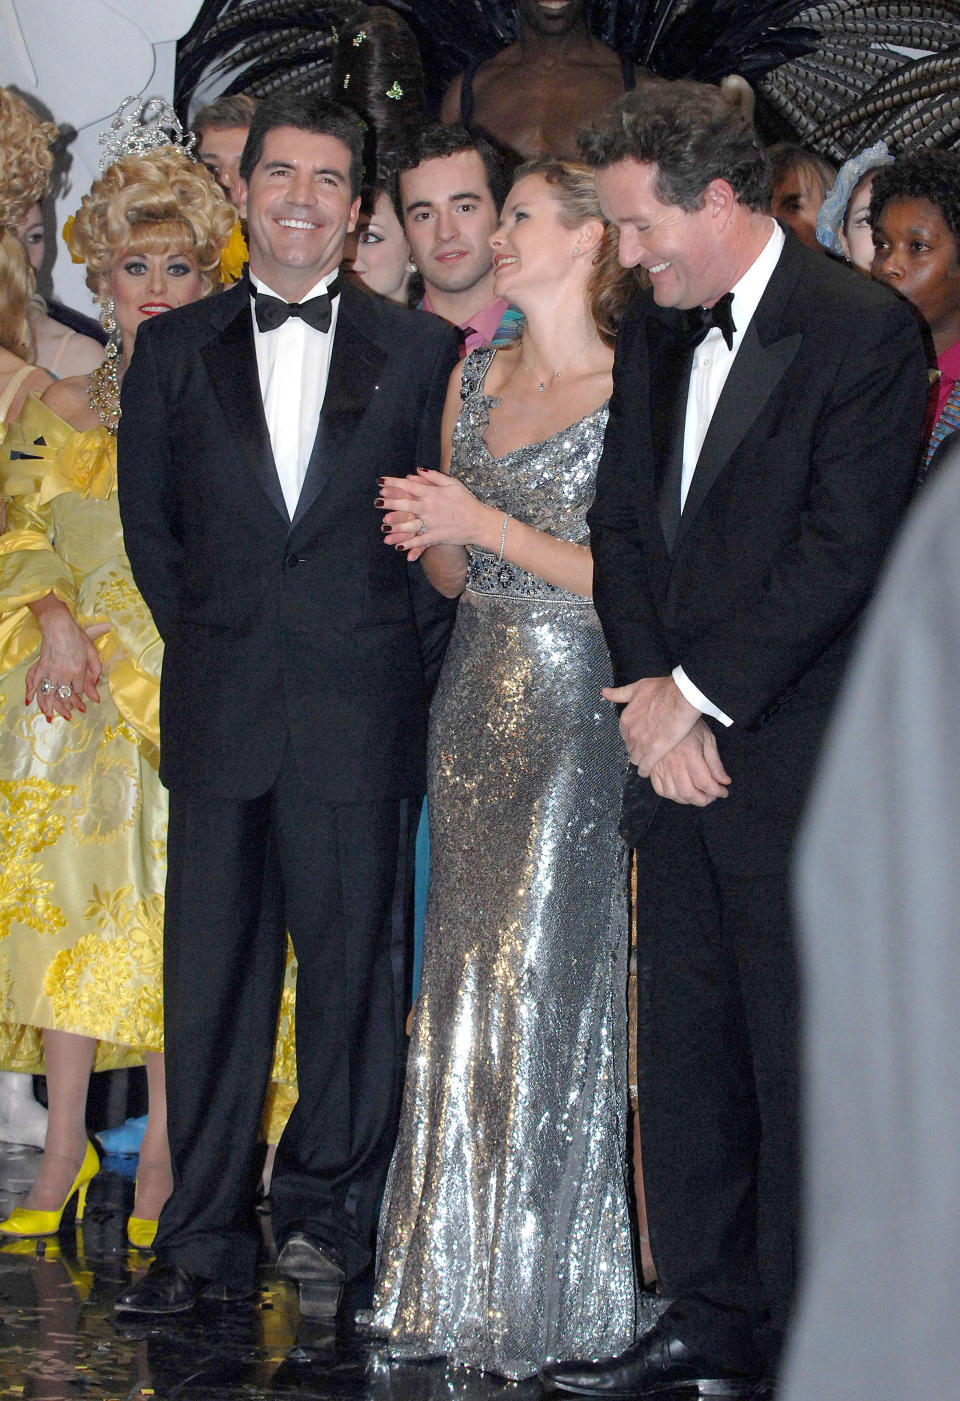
505	1237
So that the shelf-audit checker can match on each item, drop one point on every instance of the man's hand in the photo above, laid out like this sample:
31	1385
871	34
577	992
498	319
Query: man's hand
655	718
693	771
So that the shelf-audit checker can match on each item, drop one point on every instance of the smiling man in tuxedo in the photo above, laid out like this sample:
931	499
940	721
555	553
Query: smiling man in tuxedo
300	655
762	444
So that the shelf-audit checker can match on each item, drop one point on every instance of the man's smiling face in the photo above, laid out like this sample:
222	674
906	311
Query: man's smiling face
449	215
298	208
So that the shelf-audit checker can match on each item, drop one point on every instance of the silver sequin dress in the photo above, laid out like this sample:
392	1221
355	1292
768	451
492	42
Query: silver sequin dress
505	1238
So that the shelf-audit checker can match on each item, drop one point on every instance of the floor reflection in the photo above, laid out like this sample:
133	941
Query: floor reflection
61	1341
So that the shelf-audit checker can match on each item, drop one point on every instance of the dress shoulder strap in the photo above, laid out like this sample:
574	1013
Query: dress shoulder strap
475	368
54	366
10	393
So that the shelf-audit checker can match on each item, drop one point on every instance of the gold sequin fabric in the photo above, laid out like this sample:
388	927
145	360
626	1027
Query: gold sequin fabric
505	1237
83	815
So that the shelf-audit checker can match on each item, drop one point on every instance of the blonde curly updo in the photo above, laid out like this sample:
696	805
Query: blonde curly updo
25	164
25	158
155	203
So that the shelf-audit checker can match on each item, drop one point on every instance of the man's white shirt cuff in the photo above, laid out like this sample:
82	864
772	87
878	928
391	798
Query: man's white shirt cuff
696	697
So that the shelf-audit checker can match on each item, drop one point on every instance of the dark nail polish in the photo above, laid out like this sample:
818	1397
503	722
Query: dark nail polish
380	481
378	501
386	529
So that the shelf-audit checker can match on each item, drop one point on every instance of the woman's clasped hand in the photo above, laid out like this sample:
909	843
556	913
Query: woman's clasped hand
433	508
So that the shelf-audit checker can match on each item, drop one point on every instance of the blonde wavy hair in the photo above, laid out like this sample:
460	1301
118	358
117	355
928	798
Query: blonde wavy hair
611	286
25	164
154	203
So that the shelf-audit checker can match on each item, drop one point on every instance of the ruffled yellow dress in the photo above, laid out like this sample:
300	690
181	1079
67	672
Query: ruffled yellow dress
83	815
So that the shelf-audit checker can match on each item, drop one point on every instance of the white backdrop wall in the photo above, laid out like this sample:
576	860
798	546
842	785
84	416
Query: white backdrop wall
79	59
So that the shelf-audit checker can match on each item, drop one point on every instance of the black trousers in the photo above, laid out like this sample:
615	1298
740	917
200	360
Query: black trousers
718	1065
240	873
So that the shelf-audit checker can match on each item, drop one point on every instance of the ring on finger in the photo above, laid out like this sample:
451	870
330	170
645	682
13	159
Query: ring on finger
423	526
64	690
46	686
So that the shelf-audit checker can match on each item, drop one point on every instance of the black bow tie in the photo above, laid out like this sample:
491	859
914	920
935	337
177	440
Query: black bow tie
698	320
271	312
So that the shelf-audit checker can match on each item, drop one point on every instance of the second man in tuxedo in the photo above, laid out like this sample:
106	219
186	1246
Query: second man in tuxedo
762	444
300	655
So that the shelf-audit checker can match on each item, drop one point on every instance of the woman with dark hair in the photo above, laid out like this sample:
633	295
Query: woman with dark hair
376	70
915	216
508	1191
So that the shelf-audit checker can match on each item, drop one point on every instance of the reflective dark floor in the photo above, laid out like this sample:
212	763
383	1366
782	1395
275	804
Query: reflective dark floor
60	1341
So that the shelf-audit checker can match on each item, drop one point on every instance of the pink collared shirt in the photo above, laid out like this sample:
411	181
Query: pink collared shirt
483	325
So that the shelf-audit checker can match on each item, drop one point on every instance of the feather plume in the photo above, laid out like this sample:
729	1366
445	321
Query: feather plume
829	74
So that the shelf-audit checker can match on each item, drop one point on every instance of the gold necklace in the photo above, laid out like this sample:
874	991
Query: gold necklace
103	393
542	385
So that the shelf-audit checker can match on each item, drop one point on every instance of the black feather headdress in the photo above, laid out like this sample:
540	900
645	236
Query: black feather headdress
834	76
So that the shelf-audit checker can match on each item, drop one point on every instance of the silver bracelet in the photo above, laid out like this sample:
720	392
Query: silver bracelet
503	537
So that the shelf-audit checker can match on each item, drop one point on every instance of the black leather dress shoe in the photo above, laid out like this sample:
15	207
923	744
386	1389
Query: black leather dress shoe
163	1289
167	1289
317	1271
659	1364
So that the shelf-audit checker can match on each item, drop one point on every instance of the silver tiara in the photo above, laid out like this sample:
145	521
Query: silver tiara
142	125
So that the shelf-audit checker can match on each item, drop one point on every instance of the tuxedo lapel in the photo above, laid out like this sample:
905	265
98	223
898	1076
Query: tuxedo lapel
670	359
764	357
231	364
355	363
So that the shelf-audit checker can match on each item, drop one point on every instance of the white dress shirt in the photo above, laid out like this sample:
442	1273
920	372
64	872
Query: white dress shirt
712	362
293	363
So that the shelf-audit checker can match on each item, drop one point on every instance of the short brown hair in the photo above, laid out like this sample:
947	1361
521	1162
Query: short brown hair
786	157
691	133
236	109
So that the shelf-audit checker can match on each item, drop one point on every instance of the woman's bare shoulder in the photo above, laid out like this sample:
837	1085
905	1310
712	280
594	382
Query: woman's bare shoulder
69	399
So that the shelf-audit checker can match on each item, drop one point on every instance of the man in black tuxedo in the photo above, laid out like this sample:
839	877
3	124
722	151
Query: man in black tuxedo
300	655
758	458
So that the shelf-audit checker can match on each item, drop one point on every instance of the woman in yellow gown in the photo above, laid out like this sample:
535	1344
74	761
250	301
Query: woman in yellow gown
82	812
25	164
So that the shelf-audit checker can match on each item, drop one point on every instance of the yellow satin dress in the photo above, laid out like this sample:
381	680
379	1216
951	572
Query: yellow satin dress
83	815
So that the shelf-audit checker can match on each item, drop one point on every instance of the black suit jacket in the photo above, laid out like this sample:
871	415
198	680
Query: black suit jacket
312	632
806	468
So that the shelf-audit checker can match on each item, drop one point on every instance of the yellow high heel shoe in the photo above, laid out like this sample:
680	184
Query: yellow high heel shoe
141	1231
23	1221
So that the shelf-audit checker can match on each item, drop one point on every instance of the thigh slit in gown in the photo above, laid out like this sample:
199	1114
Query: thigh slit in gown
505	1238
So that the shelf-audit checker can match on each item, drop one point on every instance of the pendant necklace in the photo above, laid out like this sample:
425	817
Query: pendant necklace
543	385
